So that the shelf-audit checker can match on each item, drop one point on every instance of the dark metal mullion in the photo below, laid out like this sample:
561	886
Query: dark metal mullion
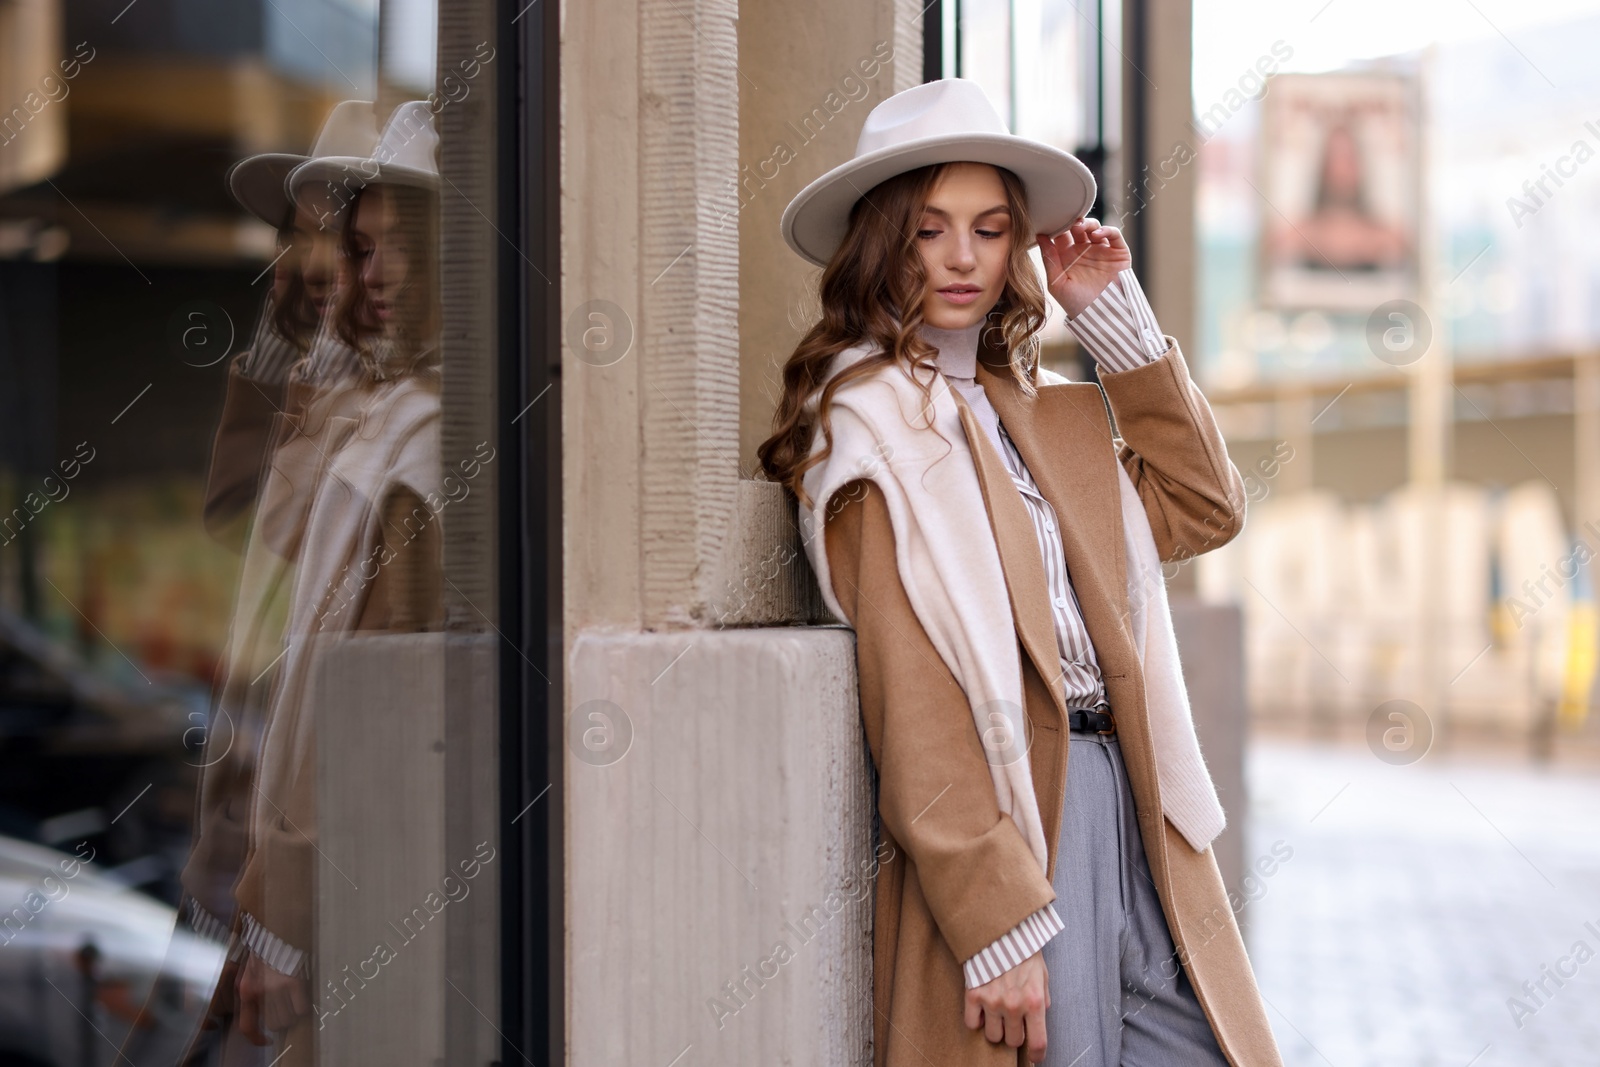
532	987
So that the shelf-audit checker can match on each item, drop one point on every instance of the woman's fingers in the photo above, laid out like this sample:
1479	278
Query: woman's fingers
275	1005
1016	1032
250	1004
1113	237
1090	231
1036	1033
994	1026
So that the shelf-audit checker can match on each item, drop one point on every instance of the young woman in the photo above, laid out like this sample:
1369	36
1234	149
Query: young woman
1052	897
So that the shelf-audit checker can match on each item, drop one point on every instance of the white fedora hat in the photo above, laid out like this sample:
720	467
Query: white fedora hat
256	182
946	121
406	154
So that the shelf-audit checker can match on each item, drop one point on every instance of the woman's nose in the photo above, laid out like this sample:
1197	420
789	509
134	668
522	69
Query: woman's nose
962	254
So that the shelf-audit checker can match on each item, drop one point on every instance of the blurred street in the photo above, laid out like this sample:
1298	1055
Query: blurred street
1417	902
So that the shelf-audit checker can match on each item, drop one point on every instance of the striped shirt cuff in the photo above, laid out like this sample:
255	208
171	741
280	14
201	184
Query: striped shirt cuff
206	924
1013	946
1119	328
273	950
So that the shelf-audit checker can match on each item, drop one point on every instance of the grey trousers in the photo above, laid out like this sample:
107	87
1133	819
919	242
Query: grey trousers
1118	997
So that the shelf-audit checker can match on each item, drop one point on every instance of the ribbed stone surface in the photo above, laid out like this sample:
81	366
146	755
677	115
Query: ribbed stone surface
714	804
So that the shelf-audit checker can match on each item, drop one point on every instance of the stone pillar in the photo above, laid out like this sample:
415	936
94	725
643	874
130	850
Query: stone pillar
815	77
717	800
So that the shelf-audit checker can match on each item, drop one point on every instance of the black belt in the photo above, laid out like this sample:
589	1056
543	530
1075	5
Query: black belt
1092	720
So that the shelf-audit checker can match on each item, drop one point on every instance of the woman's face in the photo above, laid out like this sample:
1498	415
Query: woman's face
964	238
380	252
313	256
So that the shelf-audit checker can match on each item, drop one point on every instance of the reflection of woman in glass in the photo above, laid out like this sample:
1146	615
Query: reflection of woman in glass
1342	230
267	455
370	546
304	276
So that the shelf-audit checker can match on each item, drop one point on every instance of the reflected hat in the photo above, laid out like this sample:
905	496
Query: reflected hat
257	182
406	154
946	121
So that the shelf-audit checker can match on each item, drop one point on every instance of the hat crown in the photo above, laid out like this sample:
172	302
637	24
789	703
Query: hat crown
351	129
409	139
933	109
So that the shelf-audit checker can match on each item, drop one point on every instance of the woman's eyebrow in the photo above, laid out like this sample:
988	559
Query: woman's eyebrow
943	214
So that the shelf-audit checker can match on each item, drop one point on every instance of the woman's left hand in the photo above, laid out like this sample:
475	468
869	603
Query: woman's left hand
1081	261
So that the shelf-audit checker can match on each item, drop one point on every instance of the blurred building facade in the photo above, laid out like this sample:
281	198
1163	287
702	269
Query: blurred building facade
1495	412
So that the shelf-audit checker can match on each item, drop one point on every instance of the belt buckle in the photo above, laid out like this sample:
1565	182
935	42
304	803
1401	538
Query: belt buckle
1108	714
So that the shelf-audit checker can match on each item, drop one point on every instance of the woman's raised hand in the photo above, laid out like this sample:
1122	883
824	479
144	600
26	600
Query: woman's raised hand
1081	261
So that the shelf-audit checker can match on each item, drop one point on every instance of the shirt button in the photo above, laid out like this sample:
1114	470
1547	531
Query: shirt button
1048	525
1061	601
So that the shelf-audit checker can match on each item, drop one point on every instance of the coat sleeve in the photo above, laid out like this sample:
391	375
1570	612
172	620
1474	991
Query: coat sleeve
935	794
1175	454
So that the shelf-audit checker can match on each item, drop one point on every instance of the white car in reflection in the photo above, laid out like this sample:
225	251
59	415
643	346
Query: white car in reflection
80	954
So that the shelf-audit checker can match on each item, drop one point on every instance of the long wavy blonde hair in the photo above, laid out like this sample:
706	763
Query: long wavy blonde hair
877	271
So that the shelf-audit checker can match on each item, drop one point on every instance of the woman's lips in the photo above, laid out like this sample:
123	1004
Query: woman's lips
961	296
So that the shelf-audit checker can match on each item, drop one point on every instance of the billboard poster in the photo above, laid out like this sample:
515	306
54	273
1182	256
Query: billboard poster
1341	176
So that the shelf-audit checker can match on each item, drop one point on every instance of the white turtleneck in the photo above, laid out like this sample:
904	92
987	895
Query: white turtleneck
958	362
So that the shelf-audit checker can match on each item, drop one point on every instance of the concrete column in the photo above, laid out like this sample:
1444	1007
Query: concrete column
817	72
719	821
718	803
407	916
650	299
1157	135
1211	650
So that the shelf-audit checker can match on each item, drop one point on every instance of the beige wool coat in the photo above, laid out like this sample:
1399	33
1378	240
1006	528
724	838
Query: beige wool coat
962	873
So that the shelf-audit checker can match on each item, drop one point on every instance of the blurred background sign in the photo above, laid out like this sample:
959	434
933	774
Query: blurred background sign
1340	166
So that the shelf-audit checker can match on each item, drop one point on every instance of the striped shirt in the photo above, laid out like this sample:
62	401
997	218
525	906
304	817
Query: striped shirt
1118	329
1079	668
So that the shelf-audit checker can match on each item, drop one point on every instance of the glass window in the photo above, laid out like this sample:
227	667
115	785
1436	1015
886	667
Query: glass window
249	494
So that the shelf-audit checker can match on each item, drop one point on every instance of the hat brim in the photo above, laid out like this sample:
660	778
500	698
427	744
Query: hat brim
256	182
1060	188
355	172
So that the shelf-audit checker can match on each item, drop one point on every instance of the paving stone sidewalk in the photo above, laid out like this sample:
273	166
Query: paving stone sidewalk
1417	901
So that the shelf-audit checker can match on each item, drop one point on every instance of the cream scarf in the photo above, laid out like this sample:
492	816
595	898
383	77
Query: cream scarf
950	568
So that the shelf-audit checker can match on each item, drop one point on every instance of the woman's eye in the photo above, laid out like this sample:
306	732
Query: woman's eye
991	234
928	233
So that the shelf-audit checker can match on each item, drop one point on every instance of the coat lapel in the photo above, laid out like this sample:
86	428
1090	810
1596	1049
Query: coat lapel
1064	437
1019	553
